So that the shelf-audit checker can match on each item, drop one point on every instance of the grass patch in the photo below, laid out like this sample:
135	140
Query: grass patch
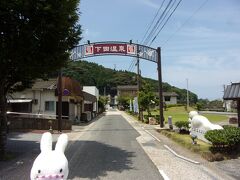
180	114
201	148
214	118
186	141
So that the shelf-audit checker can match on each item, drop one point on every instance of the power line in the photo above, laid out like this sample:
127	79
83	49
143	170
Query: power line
130	68
162	20
150	25
165	22
200	7
156	24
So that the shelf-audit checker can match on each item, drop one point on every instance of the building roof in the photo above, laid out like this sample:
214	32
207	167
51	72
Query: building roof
89	97
70	87
128	87
170	94
232	92
41	84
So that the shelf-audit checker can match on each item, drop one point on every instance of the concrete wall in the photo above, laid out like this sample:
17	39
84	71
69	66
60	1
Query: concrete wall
95	92
24	123
173	100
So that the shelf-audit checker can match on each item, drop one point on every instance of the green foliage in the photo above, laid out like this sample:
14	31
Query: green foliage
205	104
182	125
199	106
123	101
92	74
173	105
103	100
146	97
35	39
226	138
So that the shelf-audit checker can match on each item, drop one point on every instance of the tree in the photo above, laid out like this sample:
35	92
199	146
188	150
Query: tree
36	36
146	97
124	101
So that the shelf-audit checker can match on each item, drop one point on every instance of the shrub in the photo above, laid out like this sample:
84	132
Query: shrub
183	126
174	105
224	139
146	121
145	117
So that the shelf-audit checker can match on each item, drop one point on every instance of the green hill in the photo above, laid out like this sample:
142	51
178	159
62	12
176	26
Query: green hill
92	74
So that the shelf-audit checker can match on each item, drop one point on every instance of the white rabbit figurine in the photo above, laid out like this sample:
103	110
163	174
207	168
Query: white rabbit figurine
51	164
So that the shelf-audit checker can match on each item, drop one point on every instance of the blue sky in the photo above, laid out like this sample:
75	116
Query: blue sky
204	49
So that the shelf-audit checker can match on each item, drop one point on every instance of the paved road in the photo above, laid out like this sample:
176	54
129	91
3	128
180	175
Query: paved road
109	150
105	149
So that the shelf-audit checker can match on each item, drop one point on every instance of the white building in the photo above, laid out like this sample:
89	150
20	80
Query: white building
42	99
95	92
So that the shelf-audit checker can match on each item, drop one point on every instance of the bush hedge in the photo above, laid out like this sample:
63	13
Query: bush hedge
183	126
227	138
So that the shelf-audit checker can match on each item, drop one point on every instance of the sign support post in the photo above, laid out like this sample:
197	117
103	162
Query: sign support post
60	101
159	68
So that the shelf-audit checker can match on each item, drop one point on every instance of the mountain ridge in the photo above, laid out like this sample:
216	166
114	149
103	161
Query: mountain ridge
106	79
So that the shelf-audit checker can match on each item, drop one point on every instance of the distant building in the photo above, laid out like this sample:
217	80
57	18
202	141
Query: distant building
42	99
128	90
131	91
169	97
95	92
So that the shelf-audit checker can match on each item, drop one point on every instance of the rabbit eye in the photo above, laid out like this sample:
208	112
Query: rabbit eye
61	170
39	171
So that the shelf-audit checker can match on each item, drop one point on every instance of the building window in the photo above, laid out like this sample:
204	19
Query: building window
49	105
167	98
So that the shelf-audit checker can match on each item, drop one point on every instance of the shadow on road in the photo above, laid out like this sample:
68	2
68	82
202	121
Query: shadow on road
91	159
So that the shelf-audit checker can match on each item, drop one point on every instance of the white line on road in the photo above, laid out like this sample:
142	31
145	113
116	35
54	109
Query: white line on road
151	134
163	174
172	151
186	159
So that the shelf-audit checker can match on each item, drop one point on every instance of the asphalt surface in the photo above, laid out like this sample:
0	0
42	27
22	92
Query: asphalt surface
109	150
111	147
104	149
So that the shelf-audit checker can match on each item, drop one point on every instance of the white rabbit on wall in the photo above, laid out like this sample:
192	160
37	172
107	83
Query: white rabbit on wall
51	164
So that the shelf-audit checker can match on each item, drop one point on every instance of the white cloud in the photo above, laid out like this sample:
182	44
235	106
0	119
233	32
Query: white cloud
205	32
206	75
150	3
89	34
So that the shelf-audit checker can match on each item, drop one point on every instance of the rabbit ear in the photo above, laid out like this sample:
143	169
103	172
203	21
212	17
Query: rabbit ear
62	143
46	142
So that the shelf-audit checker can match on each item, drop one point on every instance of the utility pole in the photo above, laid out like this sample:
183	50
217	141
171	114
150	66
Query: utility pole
187	96
104	91
138	82
160	86
60	101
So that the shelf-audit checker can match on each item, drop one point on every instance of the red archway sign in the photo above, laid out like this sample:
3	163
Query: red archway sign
122	49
